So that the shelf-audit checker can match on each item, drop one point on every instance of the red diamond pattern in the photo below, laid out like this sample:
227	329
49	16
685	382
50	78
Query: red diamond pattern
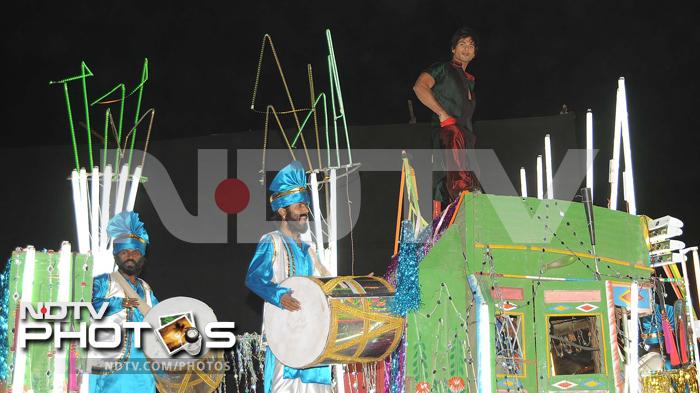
564	384
587	307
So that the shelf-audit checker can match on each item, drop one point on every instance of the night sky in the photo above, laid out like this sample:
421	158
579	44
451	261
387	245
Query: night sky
533	57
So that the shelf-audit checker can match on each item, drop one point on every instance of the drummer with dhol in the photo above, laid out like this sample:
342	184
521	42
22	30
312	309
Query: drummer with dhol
281	254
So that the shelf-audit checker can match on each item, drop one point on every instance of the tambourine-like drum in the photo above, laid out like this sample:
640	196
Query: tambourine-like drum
181	372
342	320
650	363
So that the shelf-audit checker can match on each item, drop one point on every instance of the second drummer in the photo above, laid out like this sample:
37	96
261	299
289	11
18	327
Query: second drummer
281	254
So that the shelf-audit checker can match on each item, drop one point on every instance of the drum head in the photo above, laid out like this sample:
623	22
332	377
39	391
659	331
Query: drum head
650	362
153	346
298	338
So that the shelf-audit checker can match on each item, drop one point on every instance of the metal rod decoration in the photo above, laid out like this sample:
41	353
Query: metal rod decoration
523	183
335	116
85	73
72	127
312	99
587	201
320	97
121	99
548	165
108	115
633	361
83	78
139	88
540	191
333	69
589	151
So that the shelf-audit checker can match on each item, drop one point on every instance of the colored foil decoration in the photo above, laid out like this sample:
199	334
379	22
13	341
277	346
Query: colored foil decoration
73	369
681	380
247	352
4	309
407	298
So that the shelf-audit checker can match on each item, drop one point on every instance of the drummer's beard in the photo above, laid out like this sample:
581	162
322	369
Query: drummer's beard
130	266
294	223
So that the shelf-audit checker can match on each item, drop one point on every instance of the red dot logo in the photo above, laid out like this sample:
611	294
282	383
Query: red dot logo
232	196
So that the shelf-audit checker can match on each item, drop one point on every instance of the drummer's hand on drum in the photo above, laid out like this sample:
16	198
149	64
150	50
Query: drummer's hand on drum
289	303
130	302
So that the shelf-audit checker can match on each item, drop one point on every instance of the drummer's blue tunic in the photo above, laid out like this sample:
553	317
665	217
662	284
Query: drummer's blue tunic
136	376
260	280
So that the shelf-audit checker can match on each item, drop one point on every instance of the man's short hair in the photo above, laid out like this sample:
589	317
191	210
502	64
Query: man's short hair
464	32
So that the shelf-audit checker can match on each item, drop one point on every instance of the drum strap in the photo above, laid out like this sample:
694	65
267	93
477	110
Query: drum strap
129	292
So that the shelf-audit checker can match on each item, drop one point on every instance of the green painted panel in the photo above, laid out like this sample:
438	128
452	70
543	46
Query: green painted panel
41	360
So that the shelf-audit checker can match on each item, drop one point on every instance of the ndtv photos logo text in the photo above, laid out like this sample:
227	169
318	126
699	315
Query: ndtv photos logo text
61	322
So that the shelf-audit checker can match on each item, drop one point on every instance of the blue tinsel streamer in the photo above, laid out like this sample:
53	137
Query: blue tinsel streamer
407	298
4	313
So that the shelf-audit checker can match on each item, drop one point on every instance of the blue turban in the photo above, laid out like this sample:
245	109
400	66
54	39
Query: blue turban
128	233
289	186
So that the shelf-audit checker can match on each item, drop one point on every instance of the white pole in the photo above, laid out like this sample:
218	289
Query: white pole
333	225
629	179
548	164
690	314
60	377
26	296
634	339
84	212
589	151
75	185
540	191
121	189
135	180
104	217
523	183
696	267
95	210
318	231
615	162
696	351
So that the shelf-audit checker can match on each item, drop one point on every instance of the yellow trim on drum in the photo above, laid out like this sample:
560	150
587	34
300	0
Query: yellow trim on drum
390	324
365	327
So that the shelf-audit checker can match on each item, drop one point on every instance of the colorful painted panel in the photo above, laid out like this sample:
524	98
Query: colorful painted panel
569	296
621	295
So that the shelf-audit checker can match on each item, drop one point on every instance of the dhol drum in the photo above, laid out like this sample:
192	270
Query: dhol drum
342	320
